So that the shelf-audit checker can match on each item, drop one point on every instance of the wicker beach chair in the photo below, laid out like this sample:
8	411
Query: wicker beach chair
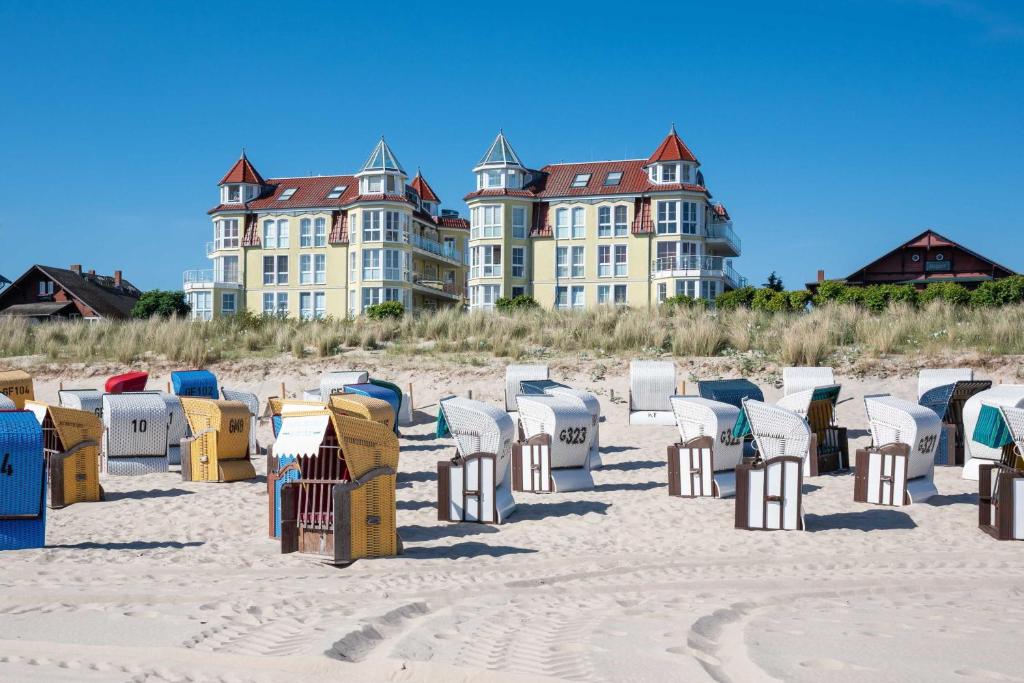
930	378
22	482
988	439
303	431
363	407
89	400
1001	485
379	392
135	428
334	382
71	446
515	375
404	401
177	426
342	504
905	474
947	400
796	379
553	452
252	402
475	485
218	448
768	490
731	391
703	462
126	383
547	387
194	384
17	386
652	383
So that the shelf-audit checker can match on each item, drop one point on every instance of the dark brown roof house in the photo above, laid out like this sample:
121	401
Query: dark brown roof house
48	293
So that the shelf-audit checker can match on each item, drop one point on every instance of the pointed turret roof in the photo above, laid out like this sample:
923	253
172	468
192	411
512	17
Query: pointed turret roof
382	159
500	153
242	172
672	148
423	189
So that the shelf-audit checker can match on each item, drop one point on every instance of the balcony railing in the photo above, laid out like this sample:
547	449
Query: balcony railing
697	266
724	231
211	278
451	288
434	247
225	243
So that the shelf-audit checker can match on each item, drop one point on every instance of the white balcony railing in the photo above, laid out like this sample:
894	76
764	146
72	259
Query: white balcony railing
723	231
211	278
697	266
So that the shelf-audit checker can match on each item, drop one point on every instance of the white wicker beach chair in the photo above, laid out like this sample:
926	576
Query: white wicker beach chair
713	473
886	477
89	400
554	454
135	427
798	402
177	426
977	454
803	378
652	384
930	378
1001	486
6	403
475	486
252	402
550	388
334	382
514	374
768	494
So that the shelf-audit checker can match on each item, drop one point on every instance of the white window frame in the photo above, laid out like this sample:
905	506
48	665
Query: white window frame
372	264
320	232
604	221
578	262
275	275
688	221
270	234
373	228
579	223
283	228
578	297
621	226
604	260
305	233
561	262
615	295
667	217
621	260
519	222
603	294
562	224
305	269
518	269
320	269
561	296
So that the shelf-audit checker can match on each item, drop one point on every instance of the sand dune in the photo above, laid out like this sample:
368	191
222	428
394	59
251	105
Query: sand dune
174	581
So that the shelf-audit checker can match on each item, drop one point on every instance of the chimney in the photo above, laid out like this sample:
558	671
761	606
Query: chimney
76	268
117	278
821	275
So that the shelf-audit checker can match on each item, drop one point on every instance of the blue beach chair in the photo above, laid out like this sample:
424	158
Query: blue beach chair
194	383
22	482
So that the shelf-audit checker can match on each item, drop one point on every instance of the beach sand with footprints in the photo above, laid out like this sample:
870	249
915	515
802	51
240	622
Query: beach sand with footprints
173	581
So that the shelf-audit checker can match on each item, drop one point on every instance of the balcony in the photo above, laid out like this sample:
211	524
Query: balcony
723	232
210	278
698	266
450	289
434	247
221	245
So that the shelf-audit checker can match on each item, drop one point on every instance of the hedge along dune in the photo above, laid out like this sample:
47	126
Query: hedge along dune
790	337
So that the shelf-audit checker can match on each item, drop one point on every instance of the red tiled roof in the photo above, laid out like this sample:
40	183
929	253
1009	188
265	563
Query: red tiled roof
242	172
540	227
251	235
423	189
452	222
642	223
381	198
501	192
672	148
339	228
310	192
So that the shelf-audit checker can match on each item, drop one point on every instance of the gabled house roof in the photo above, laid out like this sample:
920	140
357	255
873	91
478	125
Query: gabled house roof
242	172
98	292
423	189
929	239
672	148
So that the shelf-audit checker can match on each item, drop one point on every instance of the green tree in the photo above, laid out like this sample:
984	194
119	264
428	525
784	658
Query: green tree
774	283
161	303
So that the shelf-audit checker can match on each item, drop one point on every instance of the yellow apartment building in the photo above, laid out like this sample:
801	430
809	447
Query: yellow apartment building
575	235
315	246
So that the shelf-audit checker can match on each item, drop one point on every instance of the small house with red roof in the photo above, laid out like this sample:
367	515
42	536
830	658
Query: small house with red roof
923	259
313	246
583	234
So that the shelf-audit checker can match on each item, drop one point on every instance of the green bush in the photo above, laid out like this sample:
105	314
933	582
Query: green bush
679	300
385	310
799	298
999	292
157	302
770	300
950	292
519	303
830	291
902	294
735	298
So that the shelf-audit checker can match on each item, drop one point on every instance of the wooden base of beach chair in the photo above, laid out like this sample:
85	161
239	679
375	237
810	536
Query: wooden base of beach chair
831	453
691	467
466	490
64	469
1001	501
364	518
768	494
880	477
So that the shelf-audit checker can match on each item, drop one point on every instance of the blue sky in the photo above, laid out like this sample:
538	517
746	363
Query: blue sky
832	131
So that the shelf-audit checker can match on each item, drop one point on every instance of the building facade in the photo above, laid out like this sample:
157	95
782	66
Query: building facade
923	259
318	246
49	293
577	235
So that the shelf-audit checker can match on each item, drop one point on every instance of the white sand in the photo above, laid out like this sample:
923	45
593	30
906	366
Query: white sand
173	581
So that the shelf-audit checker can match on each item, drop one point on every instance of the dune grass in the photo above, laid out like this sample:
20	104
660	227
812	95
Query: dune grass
789	338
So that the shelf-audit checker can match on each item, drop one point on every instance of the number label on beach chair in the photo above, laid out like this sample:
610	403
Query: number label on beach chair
880	477
531	465
691	468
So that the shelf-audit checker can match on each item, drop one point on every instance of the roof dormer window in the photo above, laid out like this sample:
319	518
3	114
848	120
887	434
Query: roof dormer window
375	184
234	194
668	173
492	179
581	180
287	194
613	178
336	191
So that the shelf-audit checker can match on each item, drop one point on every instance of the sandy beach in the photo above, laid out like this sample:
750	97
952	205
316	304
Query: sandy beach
173	581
